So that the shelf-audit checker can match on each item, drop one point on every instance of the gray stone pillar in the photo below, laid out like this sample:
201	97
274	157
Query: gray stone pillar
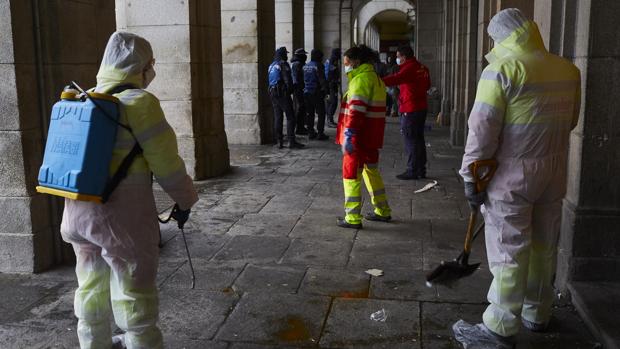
248	41
185	37
289	24
458	116
328	30
447	59
346	38
309	24
428	44
39	54
590	240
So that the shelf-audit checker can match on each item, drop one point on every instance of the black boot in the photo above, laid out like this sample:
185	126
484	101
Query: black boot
295	145
341	222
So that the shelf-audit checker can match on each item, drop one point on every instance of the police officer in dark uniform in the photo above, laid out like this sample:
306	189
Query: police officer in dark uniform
280	89
332	75
297	67
315	89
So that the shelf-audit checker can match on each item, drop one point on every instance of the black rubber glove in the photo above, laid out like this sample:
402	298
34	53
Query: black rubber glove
474	197
181	216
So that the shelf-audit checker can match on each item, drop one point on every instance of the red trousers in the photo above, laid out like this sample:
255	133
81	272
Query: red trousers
352	162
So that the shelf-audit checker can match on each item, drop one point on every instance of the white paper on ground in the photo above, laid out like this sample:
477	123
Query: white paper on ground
428	186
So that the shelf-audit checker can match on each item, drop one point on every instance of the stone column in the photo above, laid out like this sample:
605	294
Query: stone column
309	25
185	37
590	240
248	41
39	54
429	27
458	117
329	29
346	37
289	24
447	67
471	77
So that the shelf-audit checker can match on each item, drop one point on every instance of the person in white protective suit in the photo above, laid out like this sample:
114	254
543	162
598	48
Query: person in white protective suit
116	243
526	105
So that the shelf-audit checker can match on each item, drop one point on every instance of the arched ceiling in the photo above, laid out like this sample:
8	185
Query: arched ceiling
367	10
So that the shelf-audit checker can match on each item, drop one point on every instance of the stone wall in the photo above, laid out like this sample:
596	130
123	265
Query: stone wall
428	33
329	19
41	50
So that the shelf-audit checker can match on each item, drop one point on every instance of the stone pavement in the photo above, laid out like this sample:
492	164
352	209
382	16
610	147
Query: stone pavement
274	271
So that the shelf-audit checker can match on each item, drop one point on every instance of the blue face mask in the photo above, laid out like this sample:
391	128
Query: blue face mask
398	61
348	69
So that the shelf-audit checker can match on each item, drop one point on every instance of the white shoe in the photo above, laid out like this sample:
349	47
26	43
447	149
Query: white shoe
118	342
534	327
480	337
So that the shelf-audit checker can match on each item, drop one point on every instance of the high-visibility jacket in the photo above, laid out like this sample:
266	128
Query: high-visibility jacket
363	108
526	104
142	111
413	80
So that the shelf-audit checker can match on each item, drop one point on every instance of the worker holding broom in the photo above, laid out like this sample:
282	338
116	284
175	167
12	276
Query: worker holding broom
526	105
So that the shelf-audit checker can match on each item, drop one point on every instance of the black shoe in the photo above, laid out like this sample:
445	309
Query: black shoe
344	224
322	137
312	134
295	145
375	217
331	124
302	132
405	176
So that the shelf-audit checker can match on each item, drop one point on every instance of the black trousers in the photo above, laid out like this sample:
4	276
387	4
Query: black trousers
332	102
282	105
315	103
412	128
299	108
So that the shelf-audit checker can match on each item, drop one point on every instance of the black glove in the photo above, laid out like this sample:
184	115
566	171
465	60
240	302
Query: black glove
181	216
474	197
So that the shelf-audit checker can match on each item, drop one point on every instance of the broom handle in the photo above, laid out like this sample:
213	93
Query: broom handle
470	230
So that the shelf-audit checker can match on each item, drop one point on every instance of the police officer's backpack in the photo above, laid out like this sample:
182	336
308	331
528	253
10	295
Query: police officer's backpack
80	141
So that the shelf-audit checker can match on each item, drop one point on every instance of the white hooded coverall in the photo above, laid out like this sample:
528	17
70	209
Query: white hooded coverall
526	105
116	243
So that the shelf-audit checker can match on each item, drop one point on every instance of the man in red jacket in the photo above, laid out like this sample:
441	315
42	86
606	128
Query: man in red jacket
413	80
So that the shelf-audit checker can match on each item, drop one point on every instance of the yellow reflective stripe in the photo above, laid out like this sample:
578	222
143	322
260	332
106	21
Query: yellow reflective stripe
172	178
498	77
542	109
377	192
353	210
360	98
153	131
491	93
353	199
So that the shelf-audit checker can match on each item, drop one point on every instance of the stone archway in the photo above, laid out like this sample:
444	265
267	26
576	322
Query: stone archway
371	9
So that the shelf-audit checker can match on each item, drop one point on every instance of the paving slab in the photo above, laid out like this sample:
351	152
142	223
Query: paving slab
317	252
211	276
405	284
336	283
253	249
321	227
395	230
193	314
281	319
327	206
269	278
385	254
349	324
177	343
200	246
287	203
209	223
263	224
18	293
242	204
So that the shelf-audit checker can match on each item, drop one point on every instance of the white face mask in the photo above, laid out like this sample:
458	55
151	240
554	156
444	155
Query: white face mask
398	61
348	69
149	75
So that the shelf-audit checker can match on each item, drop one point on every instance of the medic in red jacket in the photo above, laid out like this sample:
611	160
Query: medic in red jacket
414	80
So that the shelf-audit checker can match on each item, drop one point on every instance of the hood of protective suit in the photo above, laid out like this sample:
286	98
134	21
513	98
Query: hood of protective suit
513	34
125	57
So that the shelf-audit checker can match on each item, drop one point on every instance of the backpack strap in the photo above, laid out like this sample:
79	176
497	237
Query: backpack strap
122	170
